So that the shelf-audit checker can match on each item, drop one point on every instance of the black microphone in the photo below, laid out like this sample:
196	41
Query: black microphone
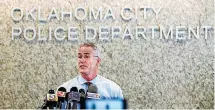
82	93
61	93
51	100
82	98
92	92
73	98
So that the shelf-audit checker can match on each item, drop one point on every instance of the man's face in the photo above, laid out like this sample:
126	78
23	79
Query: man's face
87	61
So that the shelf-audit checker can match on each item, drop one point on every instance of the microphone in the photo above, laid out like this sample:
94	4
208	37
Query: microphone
82	93
82	98
73	98
51	100
61	93
92	92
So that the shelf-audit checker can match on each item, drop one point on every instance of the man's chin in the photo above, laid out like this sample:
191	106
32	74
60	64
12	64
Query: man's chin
83	72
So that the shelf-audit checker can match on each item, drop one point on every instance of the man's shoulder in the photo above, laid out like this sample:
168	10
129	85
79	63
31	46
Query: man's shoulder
68	83
113	88
109	82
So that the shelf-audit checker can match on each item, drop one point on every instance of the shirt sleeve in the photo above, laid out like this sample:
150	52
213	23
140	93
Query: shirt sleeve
120	95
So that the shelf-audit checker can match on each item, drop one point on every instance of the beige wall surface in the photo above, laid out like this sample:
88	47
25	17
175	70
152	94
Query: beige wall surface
152	73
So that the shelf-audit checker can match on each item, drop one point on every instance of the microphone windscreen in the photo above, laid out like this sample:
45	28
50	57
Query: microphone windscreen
93	88
73	95
81	91
74	89
61	92
51	91
62	89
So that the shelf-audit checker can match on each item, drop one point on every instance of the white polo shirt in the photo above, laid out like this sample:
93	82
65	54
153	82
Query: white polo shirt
106	88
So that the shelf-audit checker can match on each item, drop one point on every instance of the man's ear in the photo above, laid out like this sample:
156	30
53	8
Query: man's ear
98	60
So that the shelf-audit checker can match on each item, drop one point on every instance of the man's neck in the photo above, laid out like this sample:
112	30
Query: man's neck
89	77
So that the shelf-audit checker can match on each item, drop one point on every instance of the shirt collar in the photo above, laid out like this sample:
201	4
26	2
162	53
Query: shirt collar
81	80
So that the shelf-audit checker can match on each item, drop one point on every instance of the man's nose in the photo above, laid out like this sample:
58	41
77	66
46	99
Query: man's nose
81	59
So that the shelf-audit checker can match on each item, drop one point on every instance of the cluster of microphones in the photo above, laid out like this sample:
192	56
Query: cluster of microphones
75	99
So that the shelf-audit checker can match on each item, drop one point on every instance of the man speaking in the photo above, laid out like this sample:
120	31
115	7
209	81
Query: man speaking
88	66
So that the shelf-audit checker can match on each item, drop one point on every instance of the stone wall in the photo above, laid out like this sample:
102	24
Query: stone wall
152	73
